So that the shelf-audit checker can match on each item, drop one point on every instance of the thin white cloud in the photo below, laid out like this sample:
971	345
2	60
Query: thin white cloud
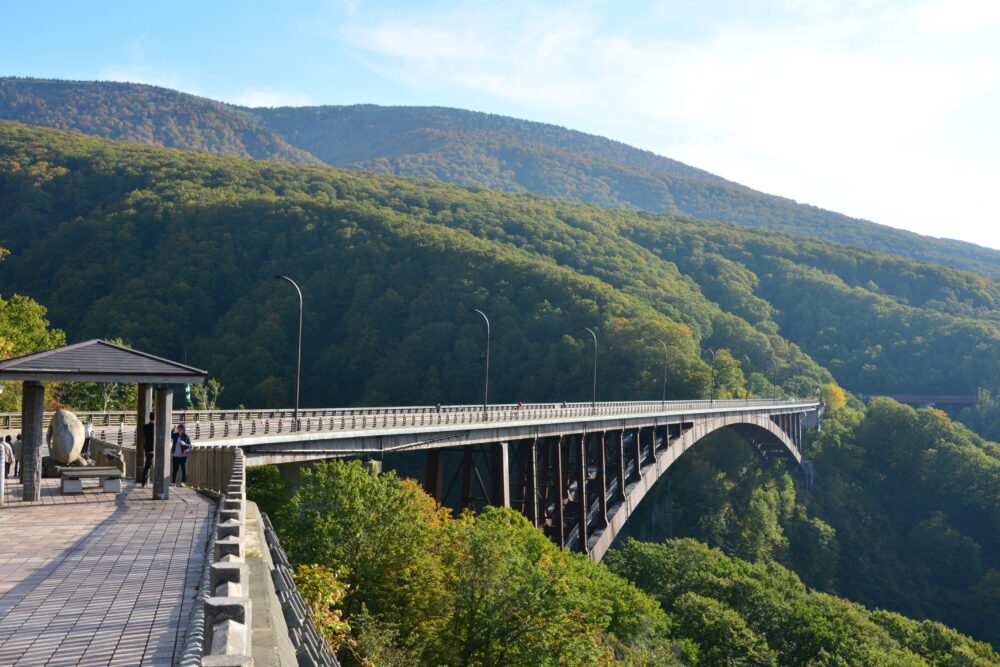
875	108
270	98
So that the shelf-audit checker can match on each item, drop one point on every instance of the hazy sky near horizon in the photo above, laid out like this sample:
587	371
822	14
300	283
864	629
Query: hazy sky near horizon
881	109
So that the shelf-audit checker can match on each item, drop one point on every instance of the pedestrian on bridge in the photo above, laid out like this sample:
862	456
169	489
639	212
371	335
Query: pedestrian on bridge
179	453
148	433
8	456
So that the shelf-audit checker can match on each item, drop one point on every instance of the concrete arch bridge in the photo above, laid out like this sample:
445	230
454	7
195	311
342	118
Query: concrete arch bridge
577	470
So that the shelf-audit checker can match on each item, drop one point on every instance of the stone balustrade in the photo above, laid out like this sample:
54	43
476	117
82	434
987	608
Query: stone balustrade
227	606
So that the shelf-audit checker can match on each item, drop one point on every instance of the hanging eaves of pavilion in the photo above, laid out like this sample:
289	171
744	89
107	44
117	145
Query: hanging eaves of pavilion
97	361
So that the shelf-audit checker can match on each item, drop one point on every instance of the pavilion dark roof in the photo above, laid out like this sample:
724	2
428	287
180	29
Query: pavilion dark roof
98	361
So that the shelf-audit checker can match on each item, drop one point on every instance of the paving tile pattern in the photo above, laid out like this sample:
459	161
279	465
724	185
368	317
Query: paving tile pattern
99	579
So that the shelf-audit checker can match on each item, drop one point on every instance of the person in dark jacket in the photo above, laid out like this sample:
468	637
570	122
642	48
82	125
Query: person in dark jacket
181	443
148	433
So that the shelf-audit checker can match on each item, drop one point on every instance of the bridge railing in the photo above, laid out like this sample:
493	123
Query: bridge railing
119	427
226	601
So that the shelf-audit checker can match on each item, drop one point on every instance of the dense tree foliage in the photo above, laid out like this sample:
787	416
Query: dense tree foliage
902	514
23	329
487	589
169	249
741	613
398	581
144	114
391	266
453	145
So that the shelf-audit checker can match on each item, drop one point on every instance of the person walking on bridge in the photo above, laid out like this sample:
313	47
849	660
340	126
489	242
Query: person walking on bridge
148	433
179	453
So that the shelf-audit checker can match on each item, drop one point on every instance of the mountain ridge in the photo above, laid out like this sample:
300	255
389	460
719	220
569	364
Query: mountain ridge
465	147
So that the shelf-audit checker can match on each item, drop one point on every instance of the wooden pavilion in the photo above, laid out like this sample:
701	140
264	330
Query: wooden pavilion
98	361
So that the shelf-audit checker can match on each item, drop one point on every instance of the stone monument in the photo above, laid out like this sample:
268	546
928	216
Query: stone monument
65	438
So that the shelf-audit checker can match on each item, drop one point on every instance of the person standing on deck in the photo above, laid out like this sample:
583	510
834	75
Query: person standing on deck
8	456
148	433
179	453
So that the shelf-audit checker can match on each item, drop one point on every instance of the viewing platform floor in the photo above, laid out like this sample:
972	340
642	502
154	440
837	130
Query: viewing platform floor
99	578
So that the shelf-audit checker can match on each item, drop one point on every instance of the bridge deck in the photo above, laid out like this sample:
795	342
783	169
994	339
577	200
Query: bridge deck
99	579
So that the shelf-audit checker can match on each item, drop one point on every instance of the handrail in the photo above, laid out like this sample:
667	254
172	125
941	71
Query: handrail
119	427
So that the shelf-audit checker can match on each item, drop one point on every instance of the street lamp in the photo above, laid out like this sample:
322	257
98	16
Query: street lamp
298	362
666	353
711	395
748	378
593	399
486	368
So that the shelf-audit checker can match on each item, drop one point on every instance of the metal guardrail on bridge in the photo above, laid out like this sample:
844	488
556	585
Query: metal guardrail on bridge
119	427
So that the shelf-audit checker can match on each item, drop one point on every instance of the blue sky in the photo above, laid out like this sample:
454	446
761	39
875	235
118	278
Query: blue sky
880	109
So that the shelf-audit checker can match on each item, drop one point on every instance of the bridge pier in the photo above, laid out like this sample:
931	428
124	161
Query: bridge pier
434	475
500	475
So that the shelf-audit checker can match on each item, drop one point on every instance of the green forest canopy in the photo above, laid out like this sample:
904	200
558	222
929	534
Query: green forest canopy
166	248
453	145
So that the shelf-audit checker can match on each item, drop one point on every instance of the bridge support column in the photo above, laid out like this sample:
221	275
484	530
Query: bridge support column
620	451
602	478
582	506
32	437
530	475
468	470
500	475
560	494
434	475
637	453
144	407
163	398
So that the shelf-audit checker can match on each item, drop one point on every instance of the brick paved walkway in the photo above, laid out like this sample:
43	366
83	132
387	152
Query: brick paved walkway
99	579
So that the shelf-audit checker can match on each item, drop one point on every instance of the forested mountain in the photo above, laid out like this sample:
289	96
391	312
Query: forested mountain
458	146
145	114
168	248
162	246
393	264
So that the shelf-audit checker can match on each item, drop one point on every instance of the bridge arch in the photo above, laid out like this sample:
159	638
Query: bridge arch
762	431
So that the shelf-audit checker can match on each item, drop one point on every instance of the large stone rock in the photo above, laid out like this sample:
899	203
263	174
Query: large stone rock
65	437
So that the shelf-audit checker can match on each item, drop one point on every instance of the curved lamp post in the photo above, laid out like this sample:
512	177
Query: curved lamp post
486	369
711	395
298	362
666	354
593	399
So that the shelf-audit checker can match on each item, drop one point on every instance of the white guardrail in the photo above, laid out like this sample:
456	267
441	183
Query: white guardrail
119	427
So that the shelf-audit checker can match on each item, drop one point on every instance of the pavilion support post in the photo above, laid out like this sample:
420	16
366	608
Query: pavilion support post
163	399
32	436
145	406
500	474
434	477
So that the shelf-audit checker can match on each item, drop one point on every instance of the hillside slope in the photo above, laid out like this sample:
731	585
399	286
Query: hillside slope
457	146
77	211
162	247
145	114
